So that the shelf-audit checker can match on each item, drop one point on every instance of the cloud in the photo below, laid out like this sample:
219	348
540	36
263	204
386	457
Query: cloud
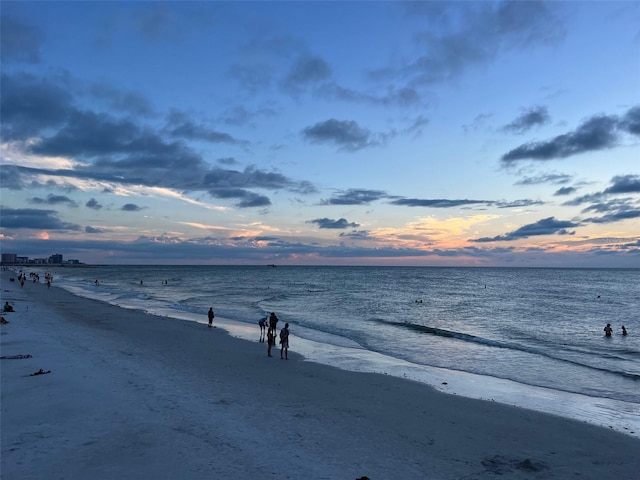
241	114
122	100
182	127
621	184
19	42
307	69
630	123
437	203
393	97
35	219
30	104
533	117
597	133
93	204
130	207
90	134
330	223
54	200
159	22
624	184
518	203
553	178
90	229
356	235
365	197
564	191
461	35
118	150
610	201
247	198
171	249
625	214
355	197
546	226
346	134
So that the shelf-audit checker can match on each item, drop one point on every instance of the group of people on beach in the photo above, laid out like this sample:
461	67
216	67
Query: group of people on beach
22	278
269	334
608	331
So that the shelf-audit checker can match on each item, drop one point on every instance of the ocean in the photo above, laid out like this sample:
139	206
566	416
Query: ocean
530	337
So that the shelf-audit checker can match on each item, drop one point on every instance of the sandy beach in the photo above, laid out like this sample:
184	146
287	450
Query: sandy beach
132	396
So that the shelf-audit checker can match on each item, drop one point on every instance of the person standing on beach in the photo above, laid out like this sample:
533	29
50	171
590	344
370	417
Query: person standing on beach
210	315
284	342
271	340
608	330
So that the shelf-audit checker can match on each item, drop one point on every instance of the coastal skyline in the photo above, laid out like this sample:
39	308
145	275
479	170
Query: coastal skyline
329	133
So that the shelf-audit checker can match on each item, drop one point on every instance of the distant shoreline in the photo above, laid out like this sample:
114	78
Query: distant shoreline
261	265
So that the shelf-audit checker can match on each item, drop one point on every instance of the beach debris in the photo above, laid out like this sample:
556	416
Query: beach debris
527	464
40	372
502	465
15	357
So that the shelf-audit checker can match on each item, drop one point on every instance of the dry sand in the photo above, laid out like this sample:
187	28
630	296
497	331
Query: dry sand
134	396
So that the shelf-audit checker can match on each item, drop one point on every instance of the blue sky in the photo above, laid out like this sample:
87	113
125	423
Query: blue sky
330	133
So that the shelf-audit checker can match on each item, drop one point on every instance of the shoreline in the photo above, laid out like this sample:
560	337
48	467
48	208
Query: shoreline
618	414
133	395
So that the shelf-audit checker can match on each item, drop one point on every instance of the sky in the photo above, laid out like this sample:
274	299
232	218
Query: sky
322	133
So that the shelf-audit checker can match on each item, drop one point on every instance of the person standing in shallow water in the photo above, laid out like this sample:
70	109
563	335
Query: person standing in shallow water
624	331
263	328
211	316
273	322
608	330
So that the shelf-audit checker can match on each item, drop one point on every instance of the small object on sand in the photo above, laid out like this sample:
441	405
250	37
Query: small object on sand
15	357
40	372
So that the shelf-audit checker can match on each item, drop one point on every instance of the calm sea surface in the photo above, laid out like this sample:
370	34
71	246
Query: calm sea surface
539	328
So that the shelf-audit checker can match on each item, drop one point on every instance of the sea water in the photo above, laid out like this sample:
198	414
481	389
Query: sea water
524	336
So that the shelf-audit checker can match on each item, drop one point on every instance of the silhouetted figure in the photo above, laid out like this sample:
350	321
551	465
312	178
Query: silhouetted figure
271	340
273	322
608	330
263	328
211	316
624	331
284	342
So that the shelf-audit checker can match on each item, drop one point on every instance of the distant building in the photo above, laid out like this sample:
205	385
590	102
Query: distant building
57	258
9	258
